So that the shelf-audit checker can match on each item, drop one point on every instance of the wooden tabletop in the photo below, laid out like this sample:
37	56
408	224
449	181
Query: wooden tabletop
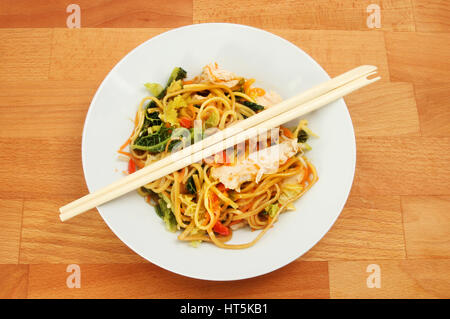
392	239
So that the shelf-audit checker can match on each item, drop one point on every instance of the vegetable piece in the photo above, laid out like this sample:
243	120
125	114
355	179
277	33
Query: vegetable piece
221	229
177	74
170	112
212	120
287	132
190	185
289	191
306	147
240	86
179	138
149	192
159	211
255	107
195	243
257	92
155	142
221	187
302	136
272	210
214	203
154	88
166	214
175	86
185	122
152	119
131	166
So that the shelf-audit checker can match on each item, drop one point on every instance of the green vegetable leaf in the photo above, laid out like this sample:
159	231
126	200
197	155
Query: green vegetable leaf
170	113
155	142
255	107
302	136
152	119
154	88
166	214
174	86
212	120
190	186
272	210
177	74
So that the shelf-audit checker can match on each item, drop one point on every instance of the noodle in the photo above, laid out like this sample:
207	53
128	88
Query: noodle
197	199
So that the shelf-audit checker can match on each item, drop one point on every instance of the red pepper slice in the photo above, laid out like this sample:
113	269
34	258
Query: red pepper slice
185	122
221	229
131	166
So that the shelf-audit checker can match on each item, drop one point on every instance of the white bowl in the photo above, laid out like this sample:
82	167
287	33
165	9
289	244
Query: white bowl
276	64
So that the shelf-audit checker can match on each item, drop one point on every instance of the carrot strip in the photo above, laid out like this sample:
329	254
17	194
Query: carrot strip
246	207
257	92
247	85
124	153
287	132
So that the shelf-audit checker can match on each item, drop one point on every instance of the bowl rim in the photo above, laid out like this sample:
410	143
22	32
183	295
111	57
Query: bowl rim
201	25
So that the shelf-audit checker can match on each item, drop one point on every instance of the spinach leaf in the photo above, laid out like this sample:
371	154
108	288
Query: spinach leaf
152	119
302	136
254	106
155	142
190	186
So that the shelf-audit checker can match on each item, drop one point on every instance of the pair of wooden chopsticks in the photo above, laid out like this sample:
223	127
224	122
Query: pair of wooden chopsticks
275	116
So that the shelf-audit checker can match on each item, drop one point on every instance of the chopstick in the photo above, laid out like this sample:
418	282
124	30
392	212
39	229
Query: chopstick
249	122
285	111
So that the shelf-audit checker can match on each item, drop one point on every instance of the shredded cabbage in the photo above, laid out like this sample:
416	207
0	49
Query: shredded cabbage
212	120
163	210
174	86
288	192
272	209
195	243
154	88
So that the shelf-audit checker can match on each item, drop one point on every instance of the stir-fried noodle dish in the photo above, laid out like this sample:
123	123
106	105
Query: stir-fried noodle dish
248	185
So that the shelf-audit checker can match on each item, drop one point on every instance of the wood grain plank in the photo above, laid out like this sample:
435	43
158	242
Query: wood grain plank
47	109
13	281
46	168
96	13
402	166
384	109
90	54
431	15
399	279
340	51
25	53
427	226
85	239
10	228
368	228
296	280
310	14
418	57
433	100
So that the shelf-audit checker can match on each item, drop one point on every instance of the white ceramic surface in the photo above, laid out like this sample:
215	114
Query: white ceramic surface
276	64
